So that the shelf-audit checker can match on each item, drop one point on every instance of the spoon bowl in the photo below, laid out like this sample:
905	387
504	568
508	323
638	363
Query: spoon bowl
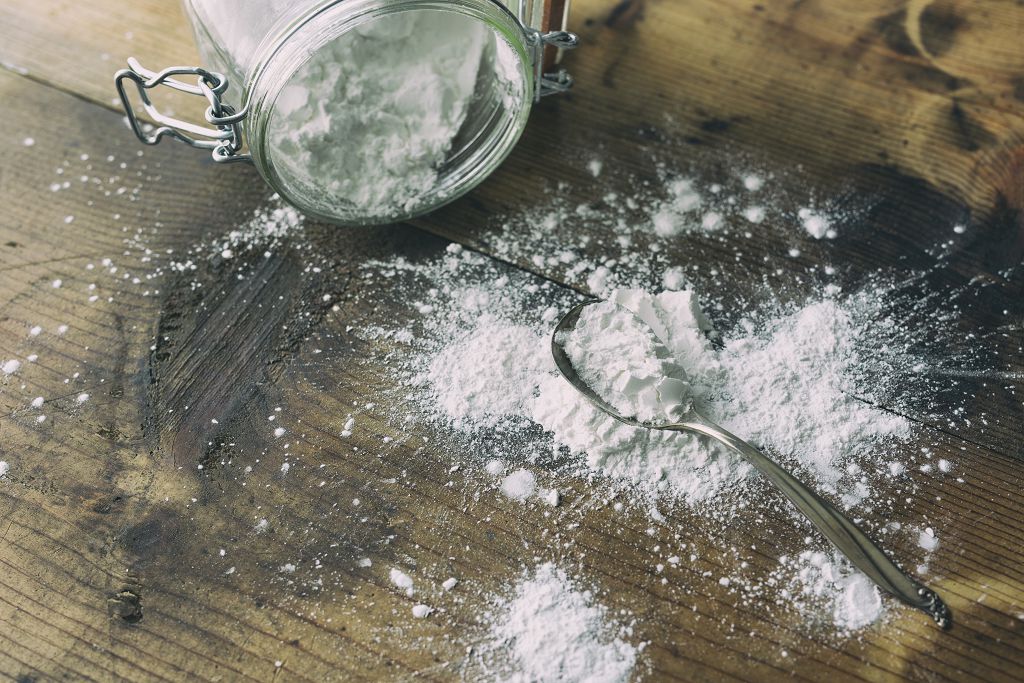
833	524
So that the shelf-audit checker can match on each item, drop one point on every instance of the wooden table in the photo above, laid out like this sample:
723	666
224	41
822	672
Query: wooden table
110	535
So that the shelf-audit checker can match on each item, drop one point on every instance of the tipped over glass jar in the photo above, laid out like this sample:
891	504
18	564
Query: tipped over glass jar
362	112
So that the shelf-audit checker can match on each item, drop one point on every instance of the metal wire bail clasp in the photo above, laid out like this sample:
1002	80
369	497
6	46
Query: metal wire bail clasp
224	139
557	81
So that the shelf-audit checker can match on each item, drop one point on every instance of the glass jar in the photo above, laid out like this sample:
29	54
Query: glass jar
362	111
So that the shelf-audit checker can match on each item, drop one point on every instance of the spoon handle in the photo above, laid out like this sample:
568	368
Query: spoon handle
858	548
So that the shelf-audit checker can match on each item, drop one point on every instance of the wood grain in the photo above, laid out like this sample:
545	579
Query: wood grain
110	534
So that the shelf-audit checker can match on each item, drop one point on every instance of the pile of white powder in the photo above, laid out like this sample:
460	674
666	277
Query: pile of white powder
787	387
549	631
640	379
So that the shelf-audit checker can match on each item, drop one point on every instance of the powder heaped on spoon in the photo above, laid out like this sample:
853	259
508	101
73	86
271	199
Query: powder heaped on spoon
618	355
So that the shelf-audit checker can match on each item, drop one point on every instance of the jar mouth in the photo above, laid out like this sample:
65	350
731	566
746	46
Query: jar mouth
375	111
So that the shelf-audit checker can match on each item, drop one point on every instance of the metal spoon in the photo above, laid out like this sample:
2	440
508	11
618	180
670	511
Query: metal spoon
836	527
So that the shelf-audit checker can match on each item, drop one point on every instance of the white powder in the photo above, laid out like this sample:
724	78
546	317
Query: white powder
801	362
38	401
371	117
4	468
927	539
501	371
753	182
816	225
402	580
754	214
11	366
671	217
422	611
472	381
549	631
618	356
519	485
823	582
449	584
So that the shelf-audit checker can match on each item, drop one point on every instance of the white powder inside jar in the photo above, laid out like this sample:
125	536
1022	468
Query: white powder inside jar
370	118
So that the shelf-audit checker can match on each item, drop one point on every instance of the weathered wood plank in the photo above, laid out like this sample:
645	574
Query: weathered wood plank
115	520
101	500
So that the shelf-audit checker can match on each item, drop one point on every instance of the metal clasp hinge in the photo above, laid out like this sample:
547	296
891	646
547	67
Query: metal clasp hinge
224	139
557	81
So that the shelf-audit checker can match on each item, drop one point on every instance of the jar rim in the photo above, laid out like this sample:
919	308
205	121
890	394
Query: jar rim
288	47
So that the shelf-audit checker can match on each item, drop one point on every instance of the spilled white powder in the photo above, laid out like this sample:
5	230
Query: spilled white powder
399	97
402	580
927	539
824	582
4	468
481	387
816	225
501	370
519	485
618	356
801	362
11	366
671	217
549	631
422	611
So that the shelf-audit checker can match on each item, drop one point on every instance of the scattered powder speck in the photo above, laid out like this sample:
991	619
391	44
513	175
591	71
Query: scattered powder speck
279	432
38	401
82	398
402	580
519	485
550	631
829	587
422	611
35	331
11	366
927	539
671	217
449	584
4	468
595	166
754	214
753	182
816	225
